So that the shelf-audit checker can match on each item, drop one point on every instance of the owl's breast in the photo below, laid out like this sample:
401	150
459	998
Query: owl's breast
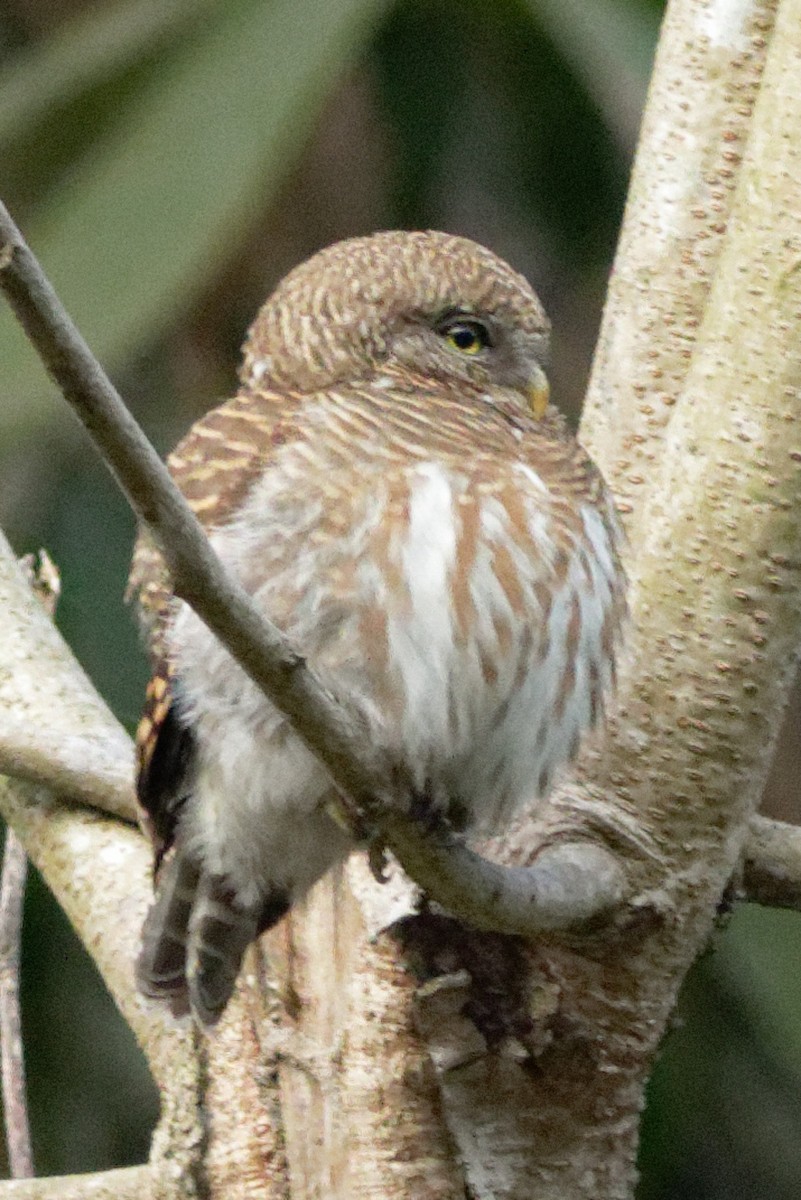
490	613
472	614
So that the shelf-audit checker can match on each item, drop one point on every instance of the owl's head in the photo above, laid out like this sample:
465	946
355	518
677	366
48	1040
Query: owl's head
439	306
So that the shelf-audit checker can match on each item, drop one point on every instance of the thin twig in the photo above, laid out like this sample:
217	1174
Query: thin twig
528	900
46	582
772	864
12	1061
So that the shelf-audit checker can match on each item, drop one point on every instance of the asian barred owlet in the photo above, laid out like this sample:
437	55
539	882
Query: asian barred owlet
392	488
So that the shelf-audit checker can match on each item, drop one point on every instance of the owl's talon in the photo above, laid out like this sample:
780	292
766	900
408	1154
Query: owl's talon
378	861
427	812
350	820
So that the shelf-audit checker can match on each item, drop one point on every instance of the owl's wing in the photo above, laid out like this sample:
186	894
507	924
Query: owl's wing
214	466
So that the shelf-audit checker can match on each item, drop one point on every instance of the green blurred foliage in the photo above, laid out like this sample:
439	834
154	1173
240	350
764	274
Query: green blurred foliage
169	161
725	1102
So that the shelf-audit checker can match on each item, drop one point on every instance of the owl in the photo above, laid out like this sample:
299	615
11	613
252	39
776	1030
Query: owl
393	489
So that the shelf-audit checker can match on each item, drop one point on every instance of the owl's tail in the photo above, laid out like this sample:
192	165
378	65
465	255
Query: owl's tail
194	937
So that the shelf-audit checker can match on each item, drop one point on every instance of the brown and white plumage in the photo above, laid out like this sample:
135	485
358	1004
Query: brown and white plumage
382	488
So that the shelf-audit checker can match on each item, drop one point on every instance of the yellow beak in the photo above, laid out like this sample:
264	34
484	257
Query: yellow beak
538	394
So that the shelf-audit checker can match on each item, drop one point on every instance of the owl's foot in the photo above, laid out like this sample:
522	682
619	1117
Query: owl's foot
434	812
377	860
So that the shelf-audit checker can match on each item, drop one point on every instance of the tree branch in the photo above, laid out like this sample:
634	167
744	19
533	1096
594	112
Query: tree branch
128	1183
55	729
46	584
525	901
706	78
15	1104
772	864
99	872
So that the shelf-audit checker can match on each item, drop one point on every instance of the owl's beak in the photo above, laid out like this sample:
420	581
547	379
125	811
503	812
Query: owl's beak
538	393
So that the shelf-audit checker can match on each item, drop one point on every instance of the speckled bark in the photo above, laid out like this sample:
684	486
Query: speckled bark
362	1111
245	1155
706	77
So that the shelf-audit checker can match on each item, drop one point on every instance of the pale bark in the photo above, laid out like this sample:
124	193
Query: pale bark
706	77
55	729
411	1057
130	1183
15	1102
772	864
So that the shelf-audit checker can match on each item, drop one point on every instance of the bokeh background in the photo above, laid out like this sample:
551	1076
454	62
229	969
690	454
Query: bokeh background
169	160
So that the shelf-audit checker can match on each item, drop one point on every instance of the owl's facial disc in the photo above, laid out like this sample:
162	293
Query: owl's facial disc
463	344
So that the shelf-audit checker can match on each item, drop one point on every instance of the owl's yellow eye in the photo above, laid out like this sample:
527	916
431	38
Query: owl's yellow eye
468	337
